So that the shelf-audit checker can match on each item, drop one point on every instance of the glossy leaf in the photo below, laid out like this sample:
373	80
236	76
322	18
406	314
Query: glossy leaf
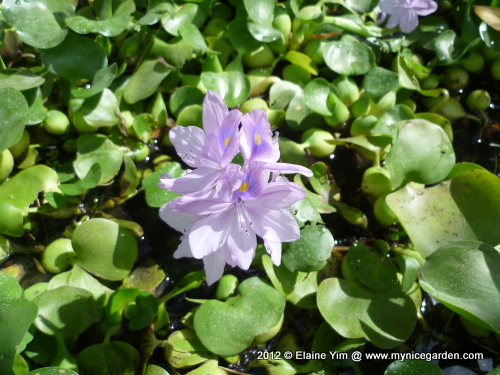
242	40
75	58
348	57
311	251
145	81
183	97
108	27
192	36
66	311
316	96
188	13
39	22
421	152
465	208
109	358
233	87
450	47
385	318
19	79
282	93
36	111
104	248
9	287
413	366
13	111
379	81
100	110
90	181
465	277
102	80
52	371
227	328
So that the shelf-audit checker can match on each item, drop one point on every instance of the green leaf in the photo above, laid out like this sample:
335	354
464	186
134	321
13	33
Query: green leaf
156	196
184	349
260	10
311	251
465	208
421	152
186	14
465	277
413	366
146	307
52	371
13	111
39	23
316	96
98	150
450	47
490	36
282	93
108	27
371	269
11	220
19	79
387	319
192	36
75	58
104	248
387	123
21	190
227	328
102	80
66	311
233	87
379	81
302	60
90	181
115	357
145	81
156	10
9	287
299	116
100	110
36	112
241	38
155	370
263	32
183	97
348	57
16	317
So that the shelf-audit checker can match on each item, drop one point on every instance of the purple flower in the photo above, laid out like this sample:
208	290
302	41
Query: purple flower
405	12
209	150
224	229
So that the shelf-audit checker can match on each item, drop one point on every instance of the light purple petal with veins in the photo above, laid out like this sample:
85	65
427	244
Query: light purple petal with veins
275	225
274	249
229	137
180	221
214	267
258	143
214	111
183	251
209	234
404	13
196	180
189	143
287	168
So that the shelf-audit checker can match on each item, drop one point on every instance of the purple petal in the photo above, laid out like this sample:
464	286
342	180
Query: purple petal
209	234
254	182
194	181
287	168
180	221
214	267
277	195
409	22
229	137
424	7
189	143
274	225
231	180
274	249
258	143
214	111
201	204
241	239
183	251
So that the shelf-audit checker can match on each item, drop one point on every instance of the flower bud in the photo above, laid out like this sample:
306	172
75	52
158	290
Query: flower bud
363	125
252	104
316	139
456	78
348	90
259	58
474	63
452	109
387	101
340	111
431	82
314	49
361	107
215	27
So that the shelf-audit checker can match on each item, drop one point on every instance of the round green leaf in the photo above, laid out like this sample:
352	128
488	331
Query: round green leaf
188	13
467	208
98	150
413	366
379	81
386	124
263	32
299	116
387	319
145	81
155	370
233	87
227	328
421	152
311	251
260	10
13	111
39	23
100	109
36	112
75	58
316	96
465	276
242	40
102	80
66	311
11	220
282	93
348	58
52	371
109	27
155	196
115	357
104	248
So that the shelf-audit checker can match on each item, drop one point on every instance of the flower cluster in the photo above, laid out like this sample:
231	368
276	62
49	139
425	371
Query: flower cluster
405	12
225	205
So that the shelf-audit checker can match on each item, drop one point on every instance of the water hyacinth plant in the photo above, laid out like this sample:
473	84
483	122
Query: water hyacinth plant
230	204
404	13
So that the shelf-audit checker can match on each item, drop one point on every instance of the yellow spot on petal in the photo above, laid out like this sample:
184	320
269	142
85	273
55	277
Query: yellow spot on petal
257	139
226	141
243	187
